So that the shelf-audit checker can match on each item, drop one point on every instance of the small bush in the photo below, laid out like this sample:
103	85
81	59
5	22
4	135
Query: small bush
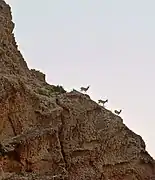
48	91
59	89
43	91
38	74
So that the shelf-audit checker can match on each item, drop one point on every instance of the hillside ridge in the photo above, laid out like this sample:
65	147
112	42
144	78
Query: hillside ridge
48	133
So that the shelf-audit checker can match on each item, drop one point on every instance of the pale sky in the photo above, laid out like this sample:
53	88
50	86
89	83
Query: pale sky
107	44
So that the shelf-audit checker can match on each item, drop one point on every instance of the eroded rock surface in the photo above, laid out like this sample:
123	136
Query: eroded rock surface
49	134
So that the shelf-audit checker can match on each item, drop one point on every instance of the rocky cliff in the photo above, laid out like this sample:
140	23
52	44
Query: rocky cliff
47	133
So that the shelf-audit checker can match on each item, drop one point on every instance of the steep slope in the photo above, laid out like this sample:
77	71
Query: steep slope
47	133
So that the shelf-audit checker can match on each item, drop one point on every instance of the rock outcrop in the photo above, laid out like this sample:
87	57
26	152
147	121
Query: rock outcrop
47	133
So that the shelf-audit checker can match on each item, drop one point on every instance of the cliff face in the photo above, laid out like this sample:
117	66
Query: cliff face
49	134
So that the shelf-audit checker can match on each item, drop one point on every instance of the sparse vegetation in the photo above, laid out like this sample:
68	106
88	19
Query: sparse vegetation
43	91
48	91
59	89
38	74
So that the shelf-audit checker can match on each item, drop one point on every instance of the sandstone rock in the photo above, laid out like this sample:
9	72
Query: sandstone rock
49	134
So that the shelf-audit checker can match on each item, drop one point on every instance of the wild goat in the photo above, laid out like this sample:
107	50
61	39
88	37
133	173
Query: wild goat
118	112
85	89
102	102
